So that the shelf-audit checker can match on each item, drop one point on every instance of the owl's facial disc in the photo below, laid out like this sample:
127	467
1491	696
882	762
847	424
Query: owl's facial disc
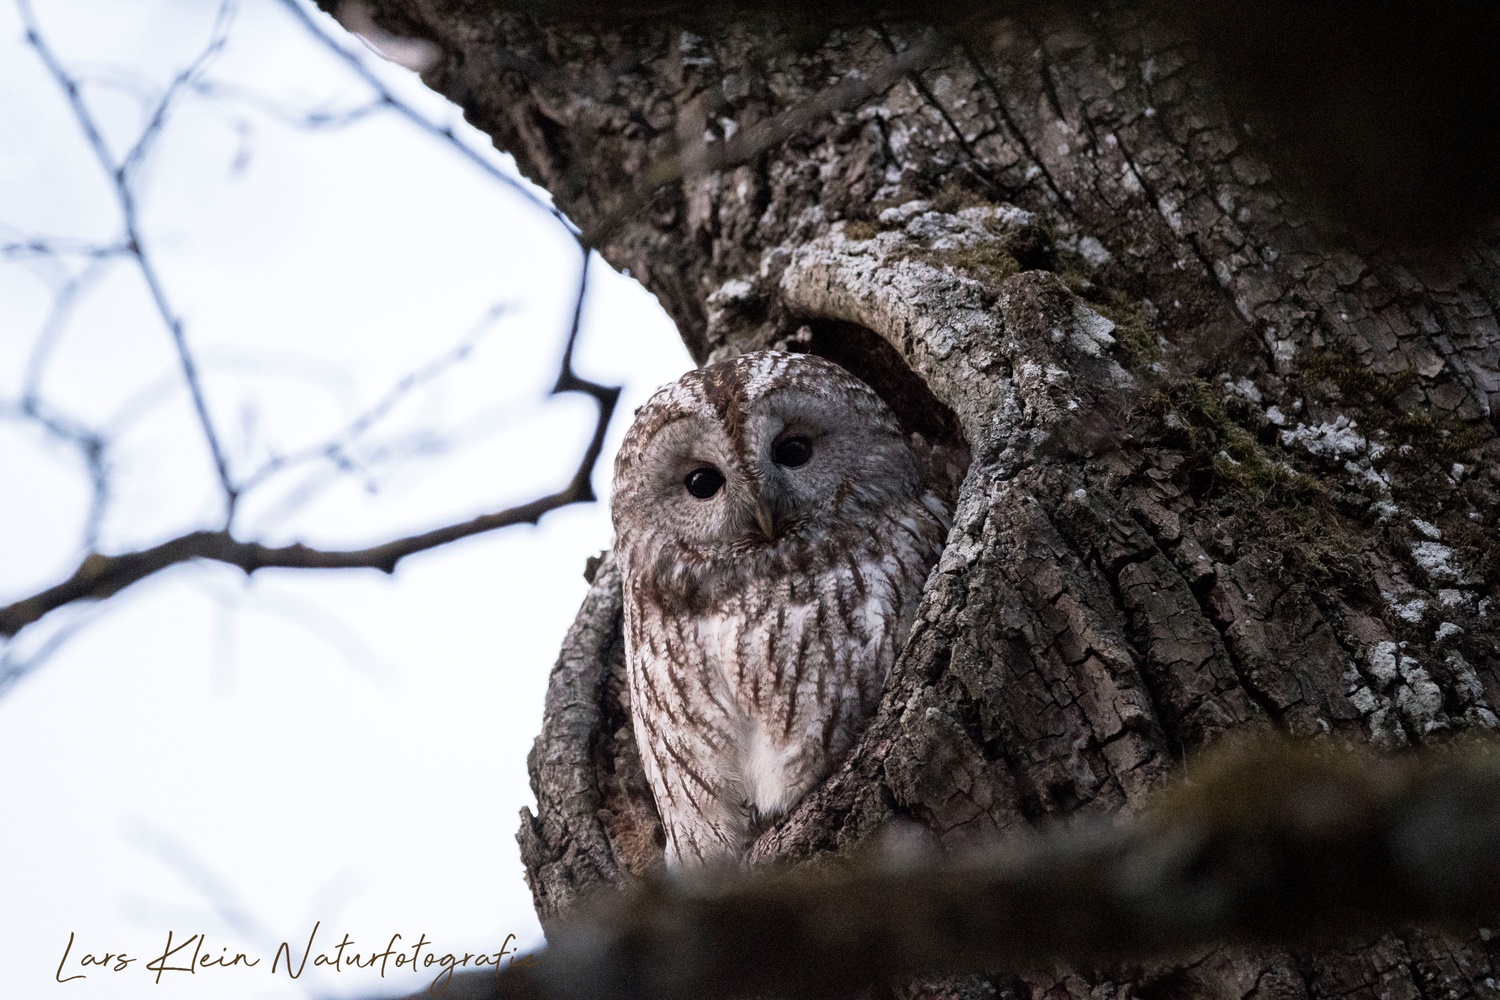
818	462
693	486
758	471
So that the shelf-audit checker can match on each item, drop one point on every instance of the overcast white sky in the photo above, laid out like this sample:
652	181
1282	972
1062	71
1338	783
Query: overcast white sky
243	759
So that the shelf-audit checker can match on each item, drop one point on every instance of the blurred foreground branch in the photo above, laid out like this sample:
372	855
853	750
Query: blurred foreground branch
1289	845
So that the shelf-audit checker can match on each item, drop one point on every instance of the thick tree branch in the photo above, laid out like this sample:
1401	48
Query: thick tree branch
102	576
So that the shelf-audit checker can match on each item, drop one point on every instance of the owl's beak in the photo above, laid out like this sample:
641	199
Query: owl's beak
764	519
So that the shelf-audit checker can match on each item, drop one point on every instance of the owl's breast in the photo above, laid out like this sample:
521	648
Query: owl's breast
748	694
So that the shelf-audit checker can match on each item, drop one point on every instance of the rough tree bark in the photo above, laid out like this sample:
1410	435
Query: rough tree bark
1216	467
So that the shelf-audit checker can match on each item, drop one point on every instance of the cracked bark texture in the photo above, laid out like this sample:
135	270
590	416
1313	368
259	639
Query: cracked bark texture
1228	470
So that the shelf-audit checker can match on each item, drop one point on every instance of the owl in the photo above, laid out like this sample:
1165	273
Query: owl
773	535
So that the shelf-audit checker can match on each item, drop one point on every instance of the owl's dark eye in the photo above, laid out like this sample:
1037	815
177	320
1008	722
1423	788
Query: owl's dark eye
704	483
792	452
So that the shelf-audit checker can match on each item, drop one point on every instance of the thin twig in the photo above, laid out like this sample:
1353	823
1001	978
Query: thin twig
334	448
91	446
216	890
444	133
119	175
182	83
14	667
287	114
63	305
47	246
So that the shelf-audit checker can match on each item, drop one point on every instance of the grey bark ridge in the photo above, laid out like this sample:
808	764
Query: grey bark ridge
597	825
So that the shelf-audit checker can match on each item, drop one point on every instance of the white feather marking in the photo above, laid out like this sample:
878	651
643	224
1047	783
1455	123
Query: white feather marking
768	772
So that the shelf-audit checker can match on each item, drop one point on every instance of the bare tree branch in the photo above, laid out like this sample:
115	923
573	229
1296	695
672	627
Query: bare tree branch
1289	845
100	576
120	175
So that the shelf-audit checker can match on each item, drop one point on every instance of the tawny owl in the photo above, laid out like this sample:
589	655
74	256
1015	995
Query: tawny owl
773	535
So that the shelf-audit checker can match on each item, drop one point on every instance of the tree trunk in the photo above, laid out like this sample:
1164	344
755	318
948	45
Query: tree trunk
1214	469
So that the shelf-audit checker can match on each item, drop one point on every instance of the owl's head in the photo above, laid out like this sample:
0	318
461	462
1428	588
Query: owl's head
763	452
